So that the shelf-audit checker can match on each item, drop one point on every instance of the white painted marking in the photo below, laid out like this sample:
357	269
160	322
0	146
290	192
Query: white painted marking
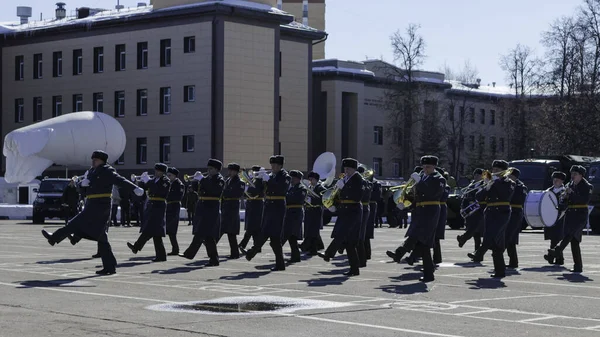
537	319
476	312
501	298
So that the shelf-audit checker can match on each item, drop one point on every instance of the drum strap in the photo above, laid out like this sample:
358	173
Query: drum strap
578	206
496	204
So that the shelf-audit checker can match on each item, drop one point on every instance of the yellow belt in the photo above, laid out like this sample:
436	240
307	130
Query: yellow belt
254	198
578	206
496	204
275	197
96	196
231	199
157	199
173	202
483	203
442	203
516	206
365	203
313	206
349	202
428	203
294	206
210	199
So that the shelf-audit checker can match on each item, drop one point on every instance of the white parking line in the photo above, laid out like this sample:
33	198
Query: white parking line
501	298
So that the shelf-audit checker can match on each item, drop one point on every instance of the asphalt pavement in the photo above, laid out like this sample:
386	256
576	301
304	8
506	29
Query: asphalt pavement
53	291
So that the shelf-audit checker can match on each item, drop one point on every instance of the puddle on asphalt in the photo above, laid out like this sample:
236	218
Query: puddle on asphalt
247	305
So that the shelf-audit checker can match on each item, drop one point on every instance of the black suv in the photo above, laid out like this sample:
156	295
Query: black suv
48	202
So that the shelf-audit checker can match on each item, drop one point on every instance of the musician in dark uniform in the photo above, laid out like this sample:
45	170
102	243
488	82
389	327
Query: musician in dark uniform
366	200
515	223
230	208
313	217
440	233
498	193
254	208
173	208
576	199
191	201
91	222
294	214
277	183
70	200
428	191
373	211
154	225
346	231
474	222
556	233
207	226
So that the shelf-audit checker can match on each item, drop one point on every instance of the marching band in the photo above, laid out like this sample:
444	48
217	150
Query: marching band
282	207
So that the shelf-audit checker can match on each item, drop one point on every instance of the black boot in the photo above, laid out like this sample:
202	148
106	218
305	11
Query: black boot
461	241
48	237
398	254
133	248
499	265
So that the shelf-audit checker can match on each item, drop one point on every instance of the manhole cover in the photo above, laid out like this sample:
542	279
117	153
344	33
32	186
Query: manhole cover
247	305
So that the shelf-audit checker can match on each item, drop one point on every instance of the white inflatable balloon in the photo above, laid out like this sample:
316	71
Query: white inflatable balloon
66	140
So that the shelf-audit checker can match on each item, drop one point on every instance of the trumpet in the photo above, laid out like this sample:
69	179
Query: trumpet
187	178
137	178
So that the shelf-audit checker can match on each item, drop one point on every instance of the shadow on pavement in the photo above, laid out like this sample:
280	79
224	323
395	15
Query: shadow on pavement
573	277
323	282
405	289
545	269
486	283
65	261
176	270
70	282
244	275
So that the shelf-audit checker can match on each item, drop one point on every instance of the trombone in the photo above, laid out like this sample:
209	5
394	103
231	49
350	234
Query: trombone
312	193
488	180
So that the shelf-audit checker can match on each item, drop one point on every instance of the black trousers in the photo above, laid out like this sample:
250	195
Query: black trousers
511	250
362	253
437	252
351	252
233	245
211	248
575	250
174	243
413	245
294	247
125	213
159	247
247	236
368	248
109	262
499	263
470	233
113	214
276	245
191	212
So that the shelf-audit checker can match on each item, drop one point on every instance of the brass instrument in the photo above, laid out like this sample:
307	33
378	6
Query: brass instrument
402	192
488	180
329	196
138	178
306	184
187	178
245	177
324	165
369	172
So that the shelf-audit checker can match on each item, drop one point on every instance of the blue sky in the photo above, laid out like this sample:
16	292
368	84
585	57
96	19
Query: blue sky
454	30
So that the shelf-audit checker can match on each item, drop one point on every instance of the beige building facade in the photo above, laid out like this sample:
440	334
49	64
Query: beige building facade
187	82
350	104
310	13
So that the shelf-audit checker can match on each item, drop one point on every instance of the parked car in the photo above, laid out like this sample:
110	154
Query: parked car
48	203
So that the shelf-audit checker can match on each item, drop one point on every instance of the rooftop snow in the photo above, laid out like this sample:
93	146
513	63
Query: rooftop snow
331	69
138	11
490	90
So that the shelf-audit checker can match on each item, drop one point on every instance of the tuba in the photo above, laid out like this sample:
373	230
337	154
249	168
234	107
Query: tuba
369	172
324	165
245	177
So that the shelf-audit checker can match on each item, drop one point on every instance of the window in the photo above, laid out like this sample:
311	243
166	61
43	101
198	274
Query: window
188	143
165	53
19	110
77	62
99	102
501	118
142	102
378	135
189	94
396	168
501	147
120	58
37	109
278	148
493	145
481	143
189	44
56	106
120	160
165	149
165	101
141	152
142	55
98	60
472	115
378	166
471	143
37	66
482	116
57	64
78	102
461	111
20	68
119	103
397	136
493	117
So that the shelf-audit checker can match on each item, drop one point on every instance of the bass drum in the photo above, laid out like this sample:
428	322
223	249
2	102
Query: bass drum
541	209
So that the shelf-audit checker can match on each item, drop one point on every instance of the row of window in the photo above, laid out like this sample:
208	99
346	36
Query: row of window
496	146
189	95
141	153
482	116
189	46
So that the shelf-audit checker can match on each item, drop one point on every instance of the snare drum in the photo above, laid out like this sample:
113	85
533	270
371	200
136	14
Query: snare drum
540	209
469	210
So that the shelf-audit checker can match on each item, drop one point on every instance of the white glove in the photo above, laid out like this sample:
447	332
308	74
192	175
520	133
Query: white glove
138	191
85	174
340	184
145	178
400	206
265	176
416	177
85	182
198	176
488	186
246	188
308	200
332	209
